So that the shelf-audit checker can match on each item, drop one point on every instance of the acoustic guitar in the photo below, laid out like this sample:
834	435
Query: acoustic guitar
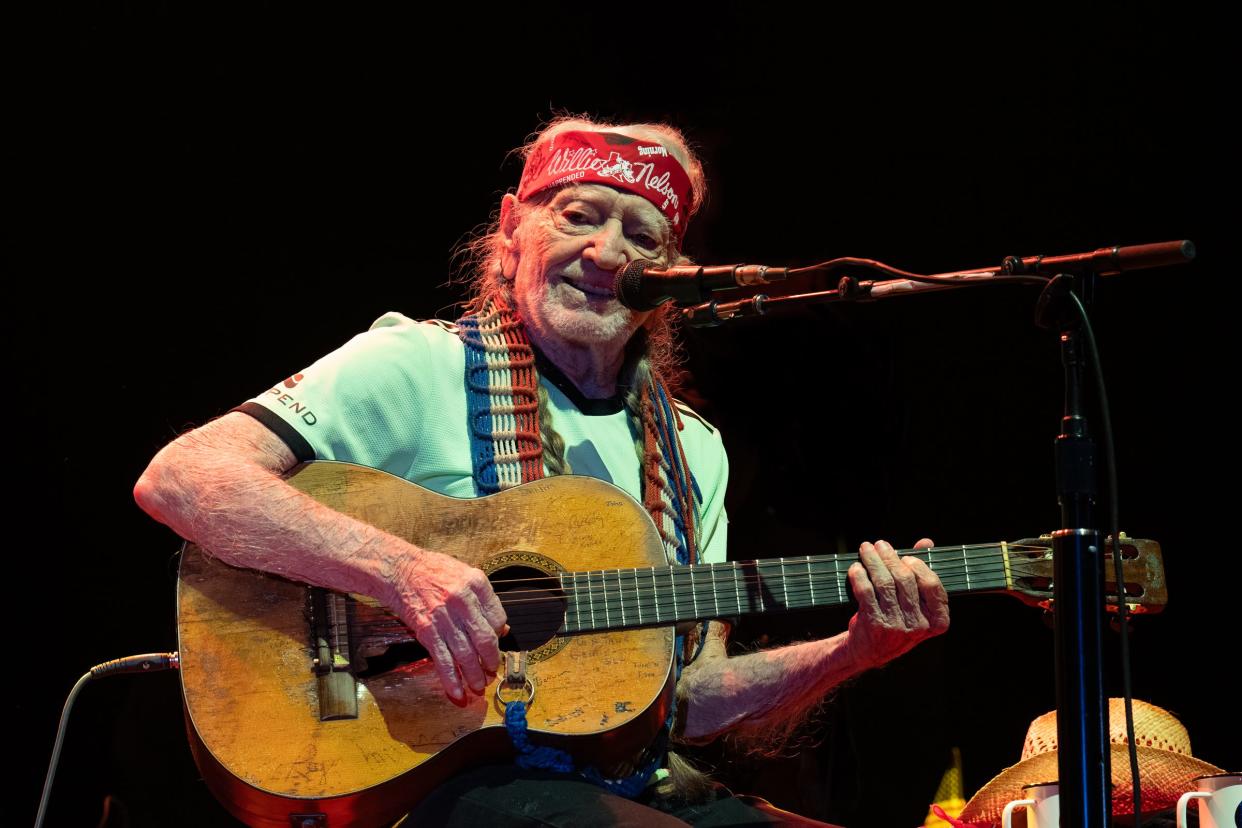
307	707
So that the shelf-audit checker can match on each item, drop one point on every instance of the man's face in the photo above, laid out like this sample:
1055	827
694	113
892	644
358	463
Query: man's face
565	256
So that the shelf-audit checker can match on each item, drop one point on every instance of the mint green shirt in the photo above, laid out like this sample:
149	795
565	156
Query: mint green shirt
394	398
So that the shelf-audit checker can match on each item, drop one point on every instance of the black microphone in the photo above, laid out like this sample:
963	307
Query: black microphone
643	286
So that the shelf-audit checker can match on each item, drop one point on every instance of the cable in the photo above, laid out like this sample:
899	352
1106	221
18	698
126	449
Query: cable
888	270
1114	522
149	662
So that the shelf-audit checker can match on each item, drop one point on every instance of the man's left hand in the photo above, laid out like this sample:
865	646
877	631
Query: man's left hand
900	603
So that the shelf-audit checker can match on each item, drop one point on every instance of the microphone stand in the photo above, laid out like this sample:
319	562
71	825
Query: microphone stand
1083	756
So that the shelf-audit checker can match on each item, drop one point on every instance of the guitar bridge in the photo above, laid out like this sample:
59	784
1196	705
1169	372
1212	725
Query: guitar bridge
330	615
515	668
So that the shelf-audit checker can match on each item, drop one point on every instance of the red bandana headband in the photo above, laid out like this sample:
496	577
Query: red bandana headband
644	168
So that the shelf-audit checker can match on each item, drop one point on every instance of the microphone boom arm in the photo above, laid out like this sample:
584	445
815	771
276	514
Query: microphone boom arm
849	289
1026	270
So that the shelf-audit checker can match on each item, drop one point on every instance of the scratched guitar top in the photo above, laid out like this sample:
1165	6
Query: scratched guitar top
251	695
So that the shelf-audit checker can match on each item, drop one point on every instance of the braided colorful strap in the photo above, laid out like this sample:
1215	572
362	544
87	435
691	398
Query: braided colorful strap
502	401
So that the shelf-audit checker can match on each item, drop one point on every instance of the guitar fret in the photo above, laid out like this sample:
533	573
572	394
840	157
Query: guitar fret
603	588
736	589
621	595
759	586
836	576
672	580
715	597
591	598
694	598
655	594
784	583
810	579
638	598
573	589
966	566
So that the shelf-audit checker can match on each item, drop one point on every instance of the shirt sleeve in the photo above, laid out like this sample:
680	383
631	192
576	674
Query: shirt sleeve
363	403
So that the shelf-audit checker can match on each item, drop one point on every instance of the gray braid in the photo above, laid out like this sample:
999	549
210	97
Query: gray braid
553	442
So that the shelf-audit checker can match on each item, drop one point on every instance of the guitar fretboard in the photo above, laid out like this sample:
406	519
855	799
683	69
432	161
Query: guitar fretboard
617	599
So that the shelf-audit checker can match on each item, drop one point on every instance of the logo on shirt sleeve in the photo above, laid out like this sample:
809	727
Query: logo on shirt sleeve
290	402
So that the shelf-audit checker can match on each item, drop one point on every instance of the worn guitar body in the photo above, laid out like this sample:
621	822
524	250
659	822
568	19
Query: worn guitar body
302	701
254	702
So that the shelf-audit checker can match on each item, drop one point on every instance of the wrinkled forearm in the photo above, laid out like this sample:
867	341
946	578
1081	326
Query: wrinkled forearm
222	487
761	690
246	515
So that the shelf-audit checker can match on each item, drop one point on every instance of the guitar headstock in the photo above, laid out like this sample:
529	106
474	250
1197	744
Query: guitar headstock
1142	568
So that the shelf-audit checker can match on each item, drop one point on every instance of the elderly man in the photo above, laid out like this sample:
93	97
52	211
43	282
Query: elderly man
547	374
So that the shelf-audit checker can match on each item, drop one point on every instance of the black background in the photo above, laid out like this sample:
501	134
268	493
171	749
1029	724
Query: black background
206	200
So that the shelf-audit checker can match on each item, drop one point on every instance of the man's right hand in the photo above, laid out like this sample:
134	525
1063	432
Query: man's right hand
454	614
222	486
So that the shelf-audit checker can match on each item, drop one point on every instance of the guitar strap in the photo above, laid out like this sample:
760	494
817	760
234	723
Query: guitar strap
503	406
502	402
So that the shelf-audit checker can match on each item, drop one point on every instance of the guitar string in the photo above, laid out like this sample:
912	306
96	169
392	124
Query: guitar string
611	590
616	591
799	594
613	580
557	613
989	551
726	572
750	571
556	617
606	590
794	591
557	608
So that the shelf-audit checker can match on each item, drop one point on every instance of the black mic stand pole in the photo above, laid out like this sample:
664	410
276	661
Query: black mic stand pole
1083	753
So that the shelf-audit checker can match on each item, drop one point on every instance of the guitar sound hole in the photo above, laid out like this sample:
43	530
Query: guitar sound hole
533	601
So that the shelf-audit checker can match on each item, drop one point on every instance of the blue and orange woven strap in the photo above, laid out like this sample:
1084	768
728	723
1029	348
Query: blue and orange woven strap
502	401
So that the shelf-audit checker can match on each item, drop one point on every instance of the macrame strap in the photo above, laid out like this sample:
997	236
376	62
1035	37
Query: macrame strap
502	401
528	755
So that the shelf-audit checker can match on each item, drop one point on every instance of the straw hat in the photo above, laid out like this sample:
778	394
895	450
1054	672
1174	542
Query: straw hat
1166	765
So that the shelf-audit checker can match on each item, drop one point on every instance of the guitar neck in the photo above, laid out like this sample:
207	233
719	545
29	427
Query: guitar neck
617	599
